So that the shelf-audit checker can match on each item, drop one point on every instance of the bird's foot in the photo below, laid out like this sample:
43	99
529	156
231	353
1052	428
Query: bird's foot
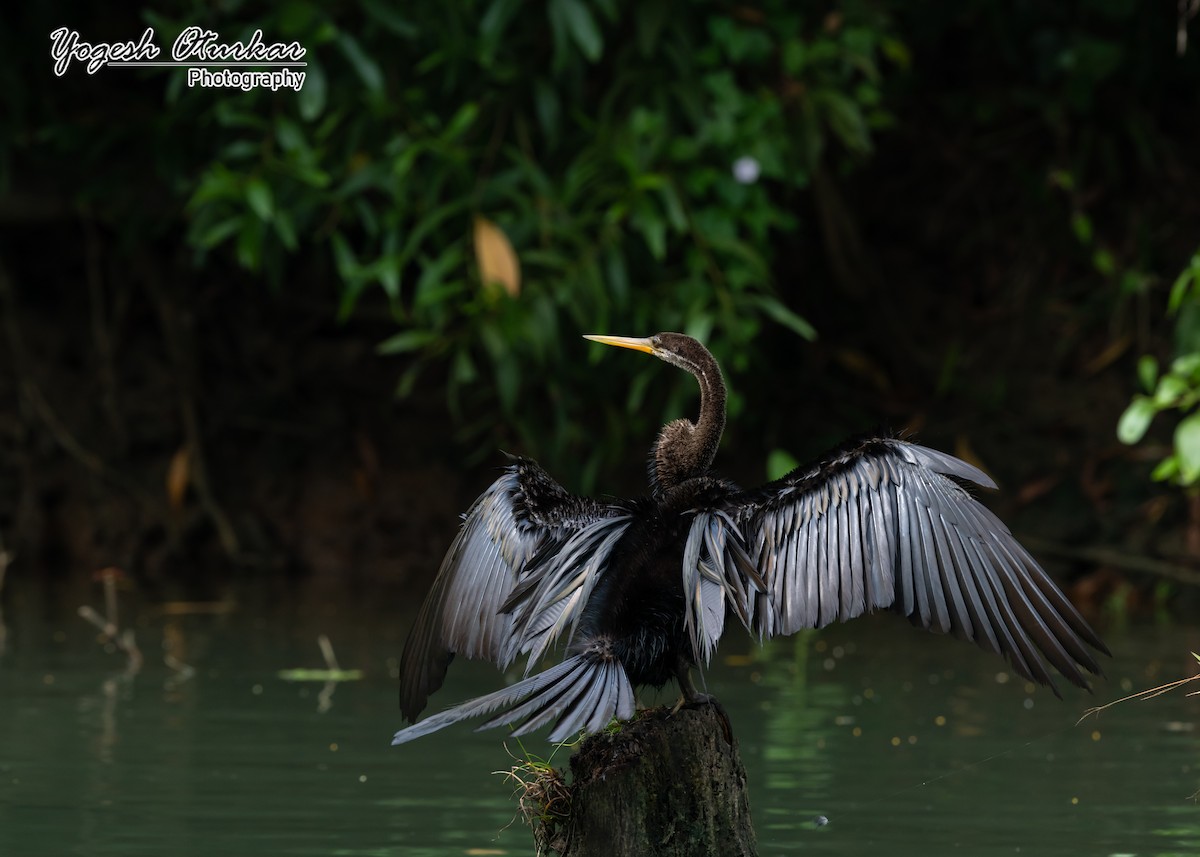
693	698
696	699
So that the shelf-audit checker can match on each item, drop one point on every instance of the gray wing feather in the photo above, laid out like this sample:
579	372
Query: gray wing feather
583	693
522	515
885	525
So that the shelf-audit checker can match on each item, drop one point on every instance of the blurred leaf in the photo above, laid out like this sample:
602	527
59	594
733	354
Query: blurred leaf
1081	225
1187	366
582	27
285	230
1166	470
779	464
406	340
497	261
1136	419
408	380
1187	447
258	195
178	478
1183	283
1170	389
311	98
1147	369
846	120
778	312
367	69
386	15
461	121
213	235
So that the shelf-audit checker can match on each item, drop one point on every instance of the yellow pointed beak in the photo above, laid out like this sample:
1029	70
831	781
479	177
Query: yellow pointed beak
623	342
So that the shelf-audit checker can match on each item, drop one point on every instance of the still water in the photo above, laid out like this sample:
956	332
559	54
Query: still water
909	744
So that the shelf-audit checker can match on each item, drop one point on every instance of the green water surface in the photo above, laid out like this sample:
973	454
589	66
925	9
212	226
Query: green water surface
908	743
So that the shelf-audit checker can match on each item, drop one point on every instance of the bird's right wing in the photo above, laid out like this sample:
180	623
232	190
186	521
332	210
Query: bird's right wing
518	571
884	524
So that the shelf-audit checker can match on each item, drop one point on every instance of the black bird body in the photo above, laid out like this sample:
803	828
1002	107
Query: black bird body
641	609
642	588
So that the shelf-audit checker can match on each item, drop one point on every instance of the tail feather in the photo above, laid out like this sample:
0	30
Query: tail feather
583	693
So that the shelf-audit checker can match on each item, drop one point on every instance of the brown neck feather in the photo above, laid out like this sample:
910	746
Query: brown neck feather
685	449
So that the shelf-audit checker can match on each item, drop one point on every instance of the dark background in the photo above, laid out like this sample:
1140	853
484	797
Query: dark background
246	336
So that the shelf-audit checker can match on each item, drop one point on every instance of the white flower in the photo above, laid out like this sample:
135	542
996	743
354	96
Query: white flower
746	170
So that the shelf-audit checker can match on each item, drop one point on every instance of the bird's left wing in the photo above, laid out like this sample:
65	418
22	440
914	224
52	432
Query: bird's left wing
516	573
884	524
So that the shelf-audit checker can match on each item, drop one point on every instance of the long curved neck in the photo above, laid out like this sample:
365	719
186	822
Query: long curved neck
685	449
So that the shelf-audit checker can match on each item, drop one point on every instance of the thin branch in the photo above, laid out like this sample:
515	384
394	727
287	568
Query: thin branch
327	652
1107	556
1151	693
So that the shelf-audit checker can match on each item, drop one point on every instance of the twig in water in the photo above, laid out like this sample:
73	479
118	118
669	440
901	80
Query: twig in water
1145	694
327	652
330	676
110	631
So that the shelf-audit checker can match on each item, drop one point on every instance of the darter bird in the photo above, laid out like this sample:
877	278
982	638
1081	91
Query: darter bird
641	588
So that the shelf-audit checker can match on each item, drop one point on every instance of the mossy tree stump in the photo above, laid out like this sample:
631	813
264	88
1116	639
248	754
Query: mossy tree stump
665	785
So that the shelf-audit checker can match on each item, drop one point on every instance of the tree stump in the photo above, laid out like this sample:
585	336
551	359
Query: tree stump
665	785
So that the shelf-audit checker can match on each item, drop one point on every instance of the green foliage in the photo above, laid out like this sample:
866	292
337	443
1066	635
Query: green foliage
780	463
600	137
1177	389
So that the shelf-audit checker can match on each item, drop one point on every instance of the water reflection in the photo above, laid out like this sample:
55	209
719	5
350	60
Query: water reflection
907	743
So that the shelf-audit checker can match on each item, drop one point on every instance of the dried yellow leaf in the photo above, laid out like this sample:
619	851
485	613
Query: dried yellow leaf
498	263
178	477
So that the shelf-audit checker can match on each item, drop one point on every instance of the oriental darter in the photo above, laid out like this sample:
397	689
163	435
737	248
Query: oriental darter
641	588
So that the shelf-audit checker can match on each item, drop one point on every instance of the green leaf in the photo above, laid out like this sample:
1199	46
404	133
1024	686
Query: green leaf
289	136
1183	283
347	263
1187	366
495	20
367	69
1104	262
647	221
311	99
1170	389
781	314
846	120
1136	419
249	244
780	463
461	122
405	340
387	16
1187	447
1082	227
1166	470
1147	369
258	195
582	27
408	380
285	230
218	232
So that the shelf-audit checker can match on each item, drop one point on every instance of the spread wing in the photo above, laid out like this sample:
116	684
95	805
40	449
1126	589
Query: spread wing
519	570
882	525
